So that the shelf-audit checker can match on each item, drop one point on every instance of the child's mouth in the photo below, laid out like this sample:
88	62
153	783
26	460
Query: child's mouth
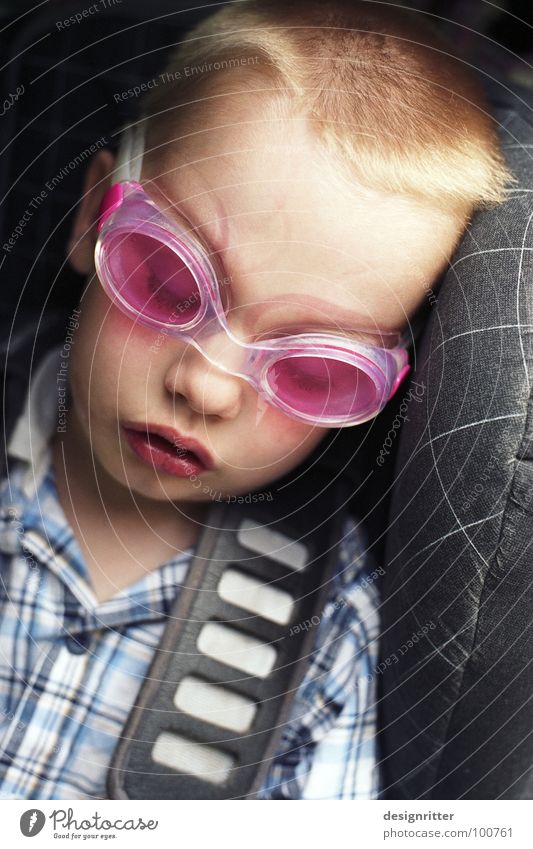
168	455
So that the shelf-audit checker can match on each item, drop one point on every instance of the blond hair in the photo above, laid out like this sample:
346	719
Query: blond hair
380	88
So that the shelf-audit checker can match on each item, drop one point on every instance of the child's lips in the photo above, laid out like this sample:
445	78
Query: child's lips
165	446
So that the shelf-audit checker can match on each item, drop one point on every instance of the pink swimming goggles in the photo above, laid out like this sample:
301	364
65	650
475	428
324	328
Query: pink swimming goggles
159	274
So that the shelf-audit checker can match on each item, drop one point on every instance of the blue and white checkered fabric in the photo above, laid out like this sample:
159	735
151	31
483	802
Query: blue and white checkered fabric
71	666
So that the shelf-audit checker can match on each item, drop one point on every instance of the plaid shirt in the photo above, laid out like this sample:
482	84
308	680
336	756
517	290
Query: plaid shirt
71	667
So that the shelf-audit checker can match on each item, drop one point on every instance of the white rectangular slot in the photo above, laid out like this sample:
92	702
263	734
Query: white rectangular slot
263	540
192	758
215	703
236	649
251	594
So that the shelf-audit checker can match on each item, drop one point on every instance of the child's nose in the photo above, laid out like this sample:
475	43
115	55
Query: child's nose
207	389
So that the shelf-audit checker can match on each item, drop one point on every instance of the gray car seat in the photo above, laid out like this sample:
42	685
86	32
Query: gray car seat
456	676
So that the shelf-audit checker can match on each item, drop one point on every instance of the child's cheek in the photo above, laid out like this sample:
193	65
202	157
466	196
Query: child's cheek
100	352
284	433
123	344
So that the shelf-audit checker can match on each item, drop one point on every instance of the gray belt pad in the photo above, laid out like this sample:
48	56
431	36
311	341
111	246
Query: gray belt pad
134	774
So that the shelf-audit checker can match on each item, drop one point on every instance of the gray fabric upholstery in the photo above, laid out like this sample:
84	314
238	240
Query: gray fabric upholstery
455	696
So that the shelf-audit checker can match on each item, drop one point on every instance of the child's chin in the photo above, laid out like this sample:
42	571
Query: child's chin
158	486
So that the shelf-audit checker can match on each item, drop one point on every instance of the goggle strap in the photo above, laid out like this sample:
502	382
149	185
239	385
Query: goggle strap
130	154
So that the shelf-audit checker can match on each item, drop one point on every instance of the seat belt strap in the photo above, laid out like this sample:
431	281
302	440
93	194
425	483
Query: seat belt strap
210	714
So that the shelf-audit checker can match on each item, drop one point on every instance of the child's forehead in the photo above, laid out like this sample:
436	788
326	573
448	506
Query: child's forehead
285	217
229	146
268	176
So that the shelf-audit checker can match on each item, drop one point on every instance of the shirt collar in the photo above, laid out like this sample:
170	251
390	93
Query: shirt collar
37	421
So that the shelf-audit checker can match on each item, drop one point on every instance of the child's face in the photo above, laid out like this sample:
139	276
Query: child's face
299	244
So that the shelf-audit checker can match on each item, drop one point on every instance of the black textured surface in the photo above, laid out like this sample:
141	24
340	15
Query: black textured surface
455	707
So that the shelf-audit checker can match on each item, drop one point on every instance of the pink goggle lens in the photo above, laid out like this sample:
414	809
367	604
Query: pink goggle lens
321	387
154	279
